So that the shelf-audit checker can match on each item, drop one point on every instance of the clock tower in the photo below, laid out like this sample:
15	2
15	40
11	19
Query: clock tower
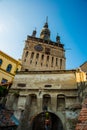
41	54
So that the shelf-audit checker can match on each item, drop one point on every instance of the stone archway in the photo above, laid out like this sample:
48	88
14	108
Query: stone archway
39	122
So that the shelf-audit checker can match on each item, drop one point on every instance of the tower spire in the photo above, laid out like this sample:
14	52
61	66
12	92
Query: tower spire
34	32
47	19
45	32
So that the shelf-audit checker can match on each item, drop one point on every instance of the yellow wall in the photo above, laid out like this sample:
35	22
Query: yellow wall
80	76
8	60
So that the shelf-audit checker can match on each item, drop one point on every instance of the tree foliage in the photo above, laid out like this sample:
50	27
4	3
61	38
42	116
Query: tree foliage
3	91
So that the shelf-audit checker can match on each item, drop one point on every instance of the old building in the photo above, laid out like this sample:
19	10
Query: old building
8	67
42	53
84	68
43	89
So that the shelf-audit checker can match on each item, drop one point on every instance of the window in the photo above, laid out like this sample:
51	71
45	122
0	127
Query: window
9	67
46	101
37	56
60	102
48	86
32	54
47	58
36	63
41	64
33	99
42	57
21	85
1	62
56	61
4	81
60	63
26	70
52	61
26	54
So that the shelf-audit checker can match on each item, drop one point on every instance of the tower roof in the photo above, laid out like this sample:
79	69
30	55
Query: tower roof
45	32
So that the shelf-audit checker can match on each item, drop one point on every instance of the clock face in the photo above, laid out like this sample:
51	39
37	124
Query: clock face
38	47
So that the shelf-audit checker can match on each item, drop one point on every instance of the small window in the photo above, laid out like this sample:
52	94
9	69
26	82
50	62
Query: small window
26	70
48	86
1	62
42	57
56	61
26	54
4	81
21	85
60	63
37	56
52	59
36	62
47	58
32	54
41	64
9	67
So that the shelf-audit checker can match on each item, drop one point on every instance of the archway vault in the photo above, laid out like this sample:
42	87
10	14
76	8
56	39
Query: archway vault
40	122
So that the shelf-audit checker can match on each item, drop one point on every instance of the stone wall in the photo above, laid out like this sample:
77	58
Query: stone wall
55	90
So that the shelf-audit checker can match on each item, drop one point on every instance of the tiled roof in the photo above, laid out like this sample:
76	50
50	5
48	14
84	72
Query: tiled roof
82	119
6	117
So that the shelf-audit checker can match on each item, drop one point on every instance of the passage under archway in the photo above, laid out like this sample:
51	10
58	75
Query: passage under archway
39	122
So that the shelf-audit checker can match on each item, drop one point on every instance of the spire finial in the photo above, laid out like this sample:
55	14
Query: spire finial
34	32
58	38
47	19
46	24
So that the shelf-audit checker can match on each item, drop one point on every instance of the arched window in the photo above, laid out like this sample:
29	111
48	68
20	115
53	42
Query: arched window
32	55
33	98
42	57
61	102
9	67
26	54
46	101
60	63
37	56
52	61
56	61
47	58
1	62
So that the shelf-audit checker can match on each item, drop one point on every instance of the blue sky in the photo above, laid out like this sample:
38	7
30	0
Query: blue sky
68	18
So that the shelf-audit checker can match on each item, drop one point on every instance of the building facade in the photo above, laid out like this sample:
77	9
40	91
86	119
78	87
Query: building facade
43	89
56	92
84	68
8	68
42	53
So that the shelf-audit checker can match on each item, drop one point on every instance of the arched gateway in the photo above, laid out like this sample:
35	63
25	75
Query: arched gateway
47	121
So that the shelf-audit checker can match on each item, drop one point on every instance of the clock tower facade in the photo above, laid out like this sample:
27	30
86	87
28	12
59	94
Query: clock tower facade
41	54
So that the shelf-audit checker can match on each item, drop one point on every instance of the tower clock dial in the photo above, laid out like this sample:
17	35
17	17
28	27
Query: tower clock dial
38	47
